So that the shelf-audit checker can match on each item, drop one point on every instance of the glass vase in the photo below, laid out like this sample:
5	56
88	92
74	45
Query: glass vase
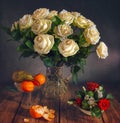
55	86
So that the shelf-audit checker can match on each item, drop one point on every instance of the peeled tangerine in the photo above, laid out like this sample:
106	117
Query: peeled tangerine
38	111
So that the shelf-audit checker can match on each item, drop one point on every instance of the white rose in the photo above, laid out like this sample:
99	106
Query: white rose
92	35
86	97
81	22
75	14
41	26
63	30
43	43
66	16
91	101
52	14
90	23
100	88
25	22
40	13
102	50
68	47
86	44
100	94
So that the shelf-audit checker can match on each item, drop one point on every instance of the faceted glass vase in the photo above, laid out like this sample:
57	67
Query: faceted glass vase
55	86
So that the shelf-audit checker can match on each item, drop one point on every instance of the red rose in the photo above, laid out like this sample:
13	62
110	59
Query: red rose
91	86
78	101
104	104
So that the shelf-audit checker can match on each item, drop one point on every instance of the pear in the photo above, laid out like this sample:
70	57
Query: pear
20	75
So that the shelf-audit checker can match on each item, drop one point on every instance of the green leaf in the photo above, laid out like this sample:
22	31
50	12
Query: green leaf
56	20
16	35
96	95
82	63
48	62
109	96
75	77
32	35
95	111
29	44
74	37
22	48
55	46
65	59
27	34
82	40
80	94
90	93
85	104
26	54
76	69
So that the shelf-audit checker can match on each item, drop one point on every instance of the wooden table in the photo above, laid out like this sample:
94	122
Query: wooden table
11	110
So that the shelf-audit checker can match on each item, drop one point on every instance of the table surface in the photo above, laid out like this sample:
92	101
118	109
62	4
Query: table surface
11	110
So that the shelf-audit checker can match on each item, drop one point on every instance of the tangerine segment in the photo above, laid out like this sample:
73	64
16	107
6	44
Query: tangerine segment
27	86
40	78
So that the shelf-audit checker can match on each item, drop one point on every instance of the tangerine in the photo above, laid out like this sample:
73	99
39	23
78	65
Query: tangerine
40	78
27	86
35	82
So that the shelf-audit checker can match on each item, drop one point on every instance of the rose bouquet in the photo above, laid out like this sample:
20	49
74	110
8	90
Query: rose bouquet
92	99
57	38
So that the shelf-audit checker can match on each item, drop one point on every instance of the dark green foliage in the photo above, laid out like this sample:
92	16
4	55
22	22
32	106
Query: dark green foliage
96	112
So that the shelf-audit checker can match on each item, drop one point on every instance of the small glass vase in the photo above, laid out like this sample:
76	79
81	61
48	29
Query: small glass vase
87	112
28	96
56	85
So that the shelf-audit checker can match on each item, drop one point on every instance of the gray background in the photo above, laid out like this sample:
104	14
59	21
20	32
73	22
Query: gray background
105	14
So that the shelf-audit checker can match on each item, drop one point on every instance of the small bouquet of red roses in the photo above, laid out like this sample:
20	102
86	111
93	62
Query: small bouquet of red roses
92	99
